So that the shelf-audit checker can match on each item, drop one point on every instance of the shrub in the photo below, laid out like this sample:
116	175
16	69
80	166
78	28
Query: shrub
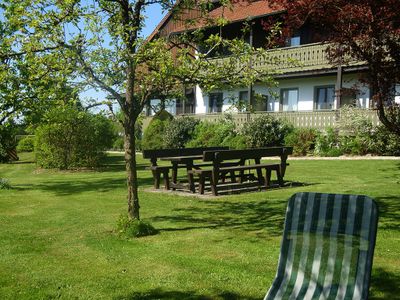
386	143
26	144
72	138
220	133
153	136
7	141
134	228
265	131
118	143
179	131
302	140
357	132
328	144
4	184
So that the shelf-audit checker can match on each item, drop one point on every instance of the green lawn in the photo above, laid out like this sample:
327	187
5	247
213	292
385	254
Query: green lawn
57	239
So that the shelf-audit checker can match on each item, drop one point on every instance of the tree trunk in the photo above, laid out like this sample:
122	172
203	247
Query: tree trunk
381	88
130	163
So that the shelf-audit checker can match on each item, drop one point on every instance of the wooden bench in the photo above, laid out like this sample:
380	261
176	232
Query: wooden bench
221	169
157	171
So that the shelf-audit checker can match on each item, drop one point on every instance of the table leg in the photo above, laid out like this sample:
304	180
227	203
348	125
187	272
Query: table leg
189	167
174	175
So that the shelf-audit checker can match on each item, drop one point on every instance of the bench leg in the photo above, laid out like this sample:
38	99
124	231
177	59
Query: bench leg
279	176
233	179
267	177
191	182
201	184
260	177
156	176
166	179
213	183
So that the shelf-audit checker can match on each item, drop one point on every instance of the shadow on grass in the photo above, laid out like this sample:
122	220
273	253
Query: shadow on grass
389	212
70	186
253	216
173	295
116	163
384	285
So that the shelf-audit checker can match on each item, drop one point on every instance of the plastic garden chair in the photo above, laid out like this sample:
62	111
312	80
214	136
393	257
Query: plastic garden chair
327	248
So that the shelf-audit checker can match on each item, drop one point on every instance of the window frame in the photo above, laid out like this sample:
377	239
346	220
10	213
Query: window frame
327	86
281	99
219	98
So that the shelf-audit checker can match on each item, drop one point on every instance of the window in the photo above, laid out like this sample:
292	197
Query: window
294	41
324	97
289	99
190	103
243	100
244	96
179	106
215	101
263	103
397	94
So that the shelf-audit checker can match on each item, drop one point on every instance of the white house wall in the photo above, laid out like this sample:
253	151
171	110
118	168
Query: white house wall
306	90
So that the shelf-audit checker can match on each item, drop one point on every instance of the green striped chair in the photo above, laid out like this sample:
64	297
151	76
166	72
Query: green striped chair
327	248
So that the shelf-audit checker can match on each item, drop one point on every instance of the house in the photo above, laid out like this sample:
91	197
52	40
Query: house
311	85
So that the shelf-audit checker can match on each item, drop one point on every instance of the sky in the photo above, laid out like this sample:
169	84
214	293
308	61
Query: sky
154	15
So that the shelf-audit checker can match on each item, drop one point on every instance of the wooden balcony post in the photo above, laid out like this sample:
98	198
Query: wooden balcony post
339	85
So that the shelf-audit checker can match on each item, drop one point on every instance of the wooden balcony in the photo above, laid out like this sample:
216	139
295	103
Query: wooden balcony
304	58
301	119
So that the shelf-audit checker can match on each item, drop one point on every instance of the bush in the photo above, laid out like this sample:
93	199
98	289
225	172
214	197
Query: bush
386	143
118	143
71	138
328	144
265	131
134	228
302	140
4	184
357	132
179	131
154	134
26	144
220	133
7	141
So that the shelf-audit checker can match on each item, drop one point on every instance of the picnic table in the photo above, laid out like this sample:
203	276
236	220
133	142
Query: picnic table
179	158
217	163
186	161
220	167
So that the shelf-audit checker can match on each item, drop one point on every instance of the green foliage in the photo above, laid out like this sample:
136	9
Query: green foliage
26	144
71	138
386	143
154	134
118	143
302	140
4	184
265	131
223	132
119	132
328	144
179	131
358	134
132	228
7	141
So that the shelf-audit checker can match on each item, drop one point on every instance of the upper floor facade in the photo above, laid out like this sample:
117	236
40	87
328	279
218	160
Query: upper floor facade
307	80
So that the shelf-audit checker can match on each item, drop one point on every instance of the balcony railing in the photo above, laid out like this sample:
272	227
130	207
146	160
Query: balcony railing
310	57
301	119
295	59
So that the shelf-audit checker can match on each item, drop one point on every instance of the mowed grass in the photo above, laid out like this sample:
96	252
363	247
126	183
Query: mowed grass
57	236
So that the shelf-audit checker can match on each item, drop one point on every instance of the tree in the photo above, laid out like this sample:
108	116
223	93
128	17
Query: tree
361	30
99	44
